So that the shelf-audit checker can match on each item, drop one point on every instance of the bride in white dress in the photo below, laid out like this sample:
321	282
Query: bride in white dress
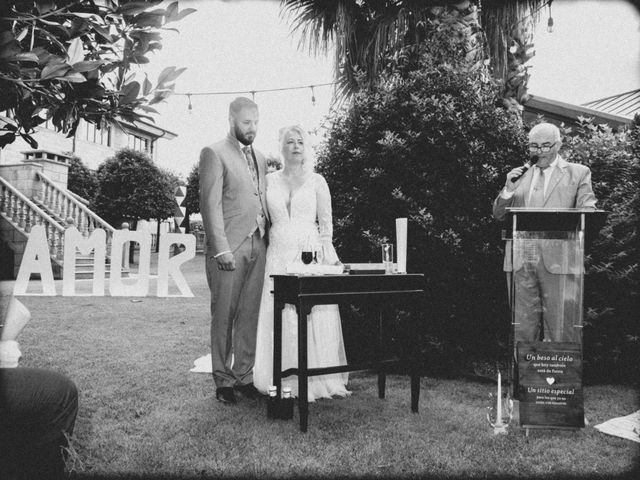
299	205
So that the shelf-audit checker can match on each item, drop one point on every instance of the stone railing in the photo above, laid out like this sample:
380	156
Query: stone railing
16	208
67	207
83	201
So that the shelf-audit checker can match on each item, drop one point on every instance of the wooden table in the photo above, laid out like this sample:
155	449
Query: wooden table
382	291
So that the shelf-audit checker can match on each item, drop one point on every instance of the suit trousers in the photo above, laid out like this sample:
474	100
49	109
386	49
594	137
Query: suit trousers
37	409
235	305
547	301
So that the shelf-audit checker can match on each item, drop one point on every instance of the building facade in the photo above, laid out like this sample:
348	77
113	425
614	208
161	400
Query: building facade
91	144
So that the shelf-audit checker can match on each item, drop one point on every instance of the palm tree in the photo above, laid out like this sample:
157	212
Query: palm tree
364	31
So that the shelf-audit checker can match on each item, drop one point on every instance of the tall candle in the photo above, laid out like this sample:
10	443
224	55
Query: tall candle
401	242
499	406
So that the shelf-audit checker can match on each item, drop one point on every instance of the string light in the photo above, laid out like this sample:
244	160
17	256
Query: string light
533	13
550	21
253	92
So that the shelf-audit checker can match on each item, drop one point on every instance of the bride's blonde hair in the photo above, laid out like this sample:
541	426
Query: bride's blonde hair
308	155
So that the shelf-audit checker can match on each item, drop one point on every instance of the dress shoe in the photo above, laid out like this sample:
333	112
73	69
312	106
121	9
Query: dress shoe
249	391
226	395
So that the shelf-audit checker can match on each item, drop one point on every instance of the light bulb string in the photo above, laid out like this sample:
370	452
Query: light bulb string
532	14
253	92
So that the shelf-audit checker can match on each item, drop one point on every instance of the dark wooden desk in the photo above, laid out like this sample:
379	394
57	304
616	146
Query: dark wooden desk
306	291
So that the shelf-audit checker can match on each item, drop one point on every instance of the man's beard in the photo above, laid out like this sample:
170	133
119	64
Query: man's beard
242	138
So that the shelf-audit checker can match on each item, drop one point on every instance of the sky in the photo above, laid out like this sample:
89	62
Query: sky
592	53
236	46
244	45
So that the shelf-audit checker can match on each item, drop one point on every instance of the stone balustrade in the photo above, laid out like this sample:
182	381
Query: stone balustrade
17	209
70	210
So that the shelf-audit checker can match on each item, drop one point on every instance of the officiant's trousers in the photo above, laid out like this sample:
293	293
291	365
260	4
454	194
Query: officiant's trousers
235	306
550	297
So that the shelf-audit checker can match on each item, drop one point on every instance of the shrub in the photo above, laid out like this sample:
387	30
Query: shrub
612	281
430	143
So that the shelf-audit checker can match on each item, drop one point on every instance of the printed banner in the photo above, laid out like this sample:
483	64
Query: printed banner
550	387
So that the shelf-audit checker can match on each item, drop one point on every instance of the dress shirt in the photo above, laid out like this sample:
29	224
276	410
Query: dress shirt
536	173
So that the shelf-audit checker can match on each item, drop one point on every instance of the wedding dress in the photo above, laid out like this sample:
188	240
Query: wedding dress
293	220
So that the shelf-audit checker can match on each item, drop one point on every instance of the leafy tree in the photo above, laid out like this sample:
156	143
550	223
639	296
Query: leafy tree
82	181
71	59
612	282
173	178
430	142
132	187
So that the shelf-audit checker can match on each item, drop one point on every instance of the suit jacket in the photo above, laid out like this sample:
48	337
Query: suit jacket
229	200
569	187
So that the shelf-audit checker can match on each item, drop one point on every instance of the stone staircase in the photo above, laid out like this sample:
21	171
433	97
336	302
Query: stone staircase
56	209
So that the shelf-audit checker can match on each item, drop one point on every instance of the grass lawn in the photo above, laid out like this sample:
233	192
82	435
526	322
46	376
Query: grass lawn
143	414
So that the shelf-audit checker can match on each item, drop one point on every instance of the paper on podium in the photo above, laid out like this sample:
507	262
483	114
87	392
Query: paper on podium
401	242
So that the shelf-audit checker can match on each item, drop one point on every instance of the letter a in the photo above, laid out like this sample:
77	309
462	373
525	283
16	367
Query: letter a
36	259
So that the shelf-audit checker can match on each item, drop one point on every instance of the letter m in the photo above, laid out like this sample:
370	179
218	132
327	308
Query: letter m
74	241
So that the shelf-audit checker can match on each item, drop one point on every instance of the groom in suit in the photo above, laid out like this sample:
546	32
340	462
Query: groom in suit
234	214
546	275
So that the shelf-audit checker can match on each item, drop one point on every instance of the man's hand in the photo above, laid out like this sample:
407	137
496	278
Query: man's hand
226	261
516	172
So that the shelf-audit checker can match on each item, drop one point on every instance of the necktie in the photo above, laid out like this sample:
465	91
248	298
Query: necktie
537	196
251	165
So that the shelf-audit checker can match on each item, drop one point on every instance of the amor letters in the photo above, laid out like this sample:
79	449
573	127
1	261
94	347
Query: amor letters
36	260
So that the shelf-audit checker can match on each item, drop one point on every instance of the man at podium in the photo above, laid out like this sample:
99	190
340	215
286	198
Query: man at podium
547	273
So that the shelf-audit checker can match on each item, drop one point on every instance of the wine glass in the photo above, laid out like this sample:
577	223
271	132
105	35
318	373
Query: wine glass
307	254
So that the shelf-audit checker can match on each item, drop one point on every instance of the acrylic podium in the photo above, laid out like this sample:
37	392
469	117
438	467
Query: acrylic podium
545	254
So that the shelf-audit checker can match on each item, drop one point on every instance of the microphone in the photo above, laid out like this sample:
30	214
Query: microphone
532	161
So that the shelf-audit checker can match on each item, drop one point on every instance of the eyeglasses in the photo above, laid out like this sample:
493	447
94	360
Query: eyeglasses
541	148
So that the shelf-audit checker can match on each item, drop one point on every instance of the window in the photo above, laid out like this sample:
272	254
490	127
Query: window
95	135
141	144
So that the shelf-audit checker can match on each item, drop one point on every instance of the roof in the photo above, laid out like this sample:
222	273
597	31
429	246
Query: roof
623	104
149	128
560	112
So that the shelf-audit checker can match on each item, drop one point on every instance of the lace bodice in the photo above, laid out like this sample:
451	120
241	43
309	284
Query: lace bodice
296	217
310	202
